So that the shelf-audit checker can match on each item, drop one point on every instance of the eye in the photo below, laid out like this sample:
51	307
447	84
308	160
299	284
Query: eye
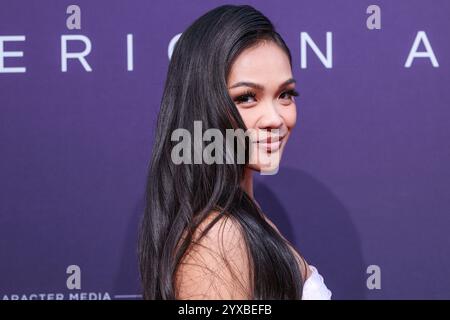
287	95
248	97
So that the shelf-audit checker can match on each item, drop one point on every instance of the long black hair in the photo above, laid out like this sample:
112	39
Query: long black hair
180	196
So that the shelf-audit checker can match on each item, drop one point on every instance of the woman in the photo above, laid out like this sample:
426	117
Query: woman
203	235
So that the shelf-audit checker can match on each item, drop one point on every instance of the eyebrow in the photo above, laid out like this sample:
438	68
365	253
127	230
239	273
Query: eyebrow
258	86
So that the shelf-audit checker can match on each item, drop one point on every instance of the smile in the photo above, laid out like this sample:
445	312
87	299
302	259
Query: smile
271	144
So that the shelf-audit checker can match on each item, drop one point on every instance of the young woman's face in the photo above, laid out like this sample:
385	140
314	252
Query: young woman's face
262	87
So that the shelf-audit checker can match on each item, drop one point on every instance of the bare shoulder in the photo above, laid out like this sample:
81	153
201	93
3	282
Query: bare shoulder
217	265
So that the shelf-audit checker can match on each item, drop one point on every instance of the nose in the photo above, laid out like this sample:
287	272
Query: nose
271	118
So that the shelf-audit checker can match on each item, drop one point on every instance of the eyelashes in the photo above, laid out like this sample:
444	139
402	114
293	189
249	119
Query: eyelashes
244	97
291	93
249	96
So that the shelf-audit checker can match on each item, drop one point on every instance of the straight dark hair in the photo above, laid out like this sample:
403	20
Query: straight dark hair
180	196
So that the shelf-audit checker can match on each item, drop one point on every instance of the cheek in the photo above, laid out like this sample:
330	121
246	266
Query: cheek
290	116
249	116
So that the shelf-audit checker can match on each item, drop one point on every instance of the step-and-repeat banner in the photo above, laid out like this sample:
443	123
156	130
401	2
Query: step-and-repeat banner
364	187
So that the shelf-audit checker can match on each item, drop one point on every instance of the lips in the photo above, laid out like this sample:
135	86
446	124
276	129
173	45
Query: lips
271	139
270	144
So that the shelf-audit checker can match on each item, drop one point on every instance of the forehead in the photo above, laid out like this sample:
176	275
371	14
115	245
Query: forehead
265	63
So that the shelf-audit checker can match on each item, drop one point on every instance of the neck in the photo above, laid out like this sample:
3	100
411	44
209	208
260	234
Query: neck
247	182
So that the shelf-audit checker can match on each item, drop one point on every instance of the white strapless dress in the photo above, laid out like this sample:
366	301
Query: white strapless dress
314	287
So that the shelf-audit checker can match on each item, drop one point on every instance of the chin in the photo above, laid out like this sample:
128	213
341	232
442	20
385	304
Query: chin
268	163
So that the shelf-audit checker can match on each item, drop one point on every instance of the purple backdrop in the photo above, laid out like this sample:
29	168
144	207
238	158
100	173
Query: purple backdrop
365	179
